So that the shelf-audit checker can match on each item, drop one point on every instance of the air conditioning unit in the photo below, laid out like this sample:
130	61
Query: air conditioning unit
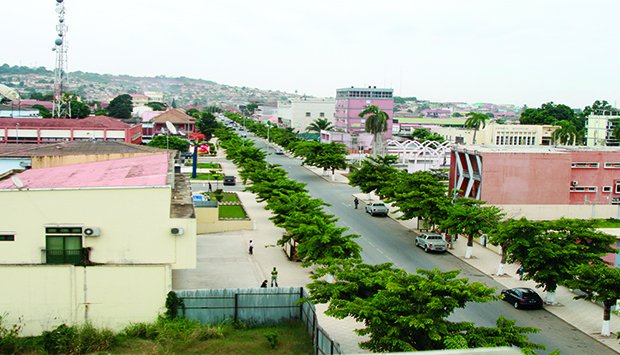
91	232
574	182
177	231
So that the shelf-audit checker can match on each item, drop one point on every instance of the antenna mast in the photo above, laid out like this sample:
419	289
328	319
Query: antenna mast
60	109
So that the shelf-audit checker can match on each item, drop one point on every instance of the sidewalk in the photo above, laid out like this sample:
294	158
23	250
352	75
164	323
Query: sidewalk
223	261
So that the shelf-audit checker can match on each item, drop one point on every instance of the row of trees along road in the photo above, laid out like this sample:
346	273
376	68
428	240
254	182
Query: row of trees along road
564	251
399	311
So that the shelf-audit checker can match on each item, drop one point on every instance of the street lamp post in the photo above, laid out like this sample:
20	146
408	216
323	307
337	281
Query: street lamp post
17	132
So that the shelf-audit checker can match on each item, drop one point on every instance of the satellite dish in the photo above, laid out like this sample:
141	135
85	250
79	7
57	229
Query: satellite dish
17	182
9	93
171	128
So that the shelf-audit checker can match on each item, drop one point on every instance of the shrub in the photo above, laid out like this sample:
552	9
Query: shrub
173	303
77	339
141	330
9	337
272	339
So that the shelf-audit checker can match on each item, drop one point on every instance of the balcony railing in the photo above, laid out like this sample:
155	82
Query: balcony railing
63	256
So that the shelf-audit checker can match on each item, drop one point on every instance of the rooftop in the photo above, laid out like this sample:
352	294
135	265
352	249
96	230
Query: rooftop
559	149
144	171
74	148
174	116
92	122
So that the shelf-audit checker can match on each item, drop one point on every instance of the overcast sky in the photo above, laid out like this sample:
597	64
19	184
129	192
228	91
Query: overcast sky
500	51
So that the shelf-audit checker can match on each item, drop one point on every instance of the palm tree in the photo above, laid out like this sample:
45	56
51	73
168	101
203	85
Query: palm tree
475	120
566	134
376	123
320	124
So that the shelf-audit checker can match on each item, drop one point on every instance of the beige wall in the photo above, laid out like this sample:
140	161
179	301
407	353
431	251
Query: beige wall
45	296
135	225
207	221
49	161
551	212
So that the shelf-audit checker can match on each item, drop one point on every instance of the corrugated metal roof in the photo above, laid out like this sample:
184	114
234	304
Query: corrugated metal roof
74	148
151	170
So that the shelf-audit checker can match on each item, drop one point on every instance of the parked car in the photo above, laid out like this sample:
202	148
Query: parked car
377	209
522	297
230	180
279	152
431	241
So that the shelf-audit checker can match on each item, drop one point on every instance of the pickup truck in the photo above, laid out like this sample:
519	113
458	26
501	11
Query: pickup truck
377	209
431	242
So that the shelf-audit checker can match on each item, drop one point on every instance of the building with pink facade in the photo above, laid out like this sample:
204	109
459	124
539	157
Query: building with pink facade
351	101
540	182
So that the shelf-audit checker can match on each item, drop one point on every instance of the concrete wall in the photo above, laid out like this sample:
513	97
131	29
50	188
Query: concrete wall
550	212
41	297
135	225
207	221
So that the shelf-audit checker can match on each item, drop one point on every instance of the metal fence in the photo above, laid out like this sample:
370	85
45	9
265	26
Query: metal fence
258	306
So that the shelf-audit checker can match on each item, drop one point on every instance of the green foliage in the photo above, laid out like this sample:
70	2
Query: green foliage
173	304
468	216
423	135
43	111
157	106
9	337
551	250
408	312
319	125
376	174
599	283
121	106
169	142
206	124
475	121
566	134
230	211
321	155
77	339
273	339
376	123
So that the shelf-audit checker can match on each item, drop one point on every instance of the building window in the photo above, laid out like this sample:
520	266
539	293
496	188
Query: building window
606	188
63	245
321	114
583	189
307	114
585	165
617	187
612	165
7	237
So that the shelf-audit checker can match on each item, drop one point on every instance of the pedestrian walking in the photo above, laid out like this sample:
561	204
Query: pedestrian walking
520	272
264	284
274	277
356	202
210	188
251	249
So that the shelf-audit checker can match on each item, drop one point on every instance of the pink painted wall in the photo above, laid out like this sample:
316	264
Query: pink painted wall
598	177
349	109
525	178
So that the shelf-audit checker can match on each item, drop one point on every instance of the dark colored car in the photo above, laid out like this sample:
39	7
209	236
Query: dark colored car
230	180
522	297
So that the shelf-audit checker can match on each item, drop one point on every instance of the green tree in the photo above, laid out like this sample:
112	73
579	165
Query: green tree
420	195
599	283
157	106
376	123
174	103
566	134
407	312
319	125
169	142
457	114
615	131
423	135
511	230
43	111
475	120
206	124
121	106
549	257
468	216
375	174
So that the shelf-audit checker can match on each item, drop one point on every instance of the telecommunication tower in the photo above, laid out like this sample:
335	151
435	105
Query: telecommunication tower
60	108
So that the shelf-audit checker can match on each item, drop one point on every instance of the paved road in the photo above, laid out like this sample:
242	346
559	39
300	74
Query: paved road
385	240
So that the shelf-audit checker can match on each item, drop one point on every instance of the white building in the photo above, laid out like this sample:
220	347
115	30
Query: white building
599	128
93	242
300	113
498	134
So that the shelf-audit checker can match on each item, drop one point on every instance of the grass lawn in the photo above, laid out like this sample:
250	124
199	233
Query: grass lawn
214	166
204	176
230	197
232	211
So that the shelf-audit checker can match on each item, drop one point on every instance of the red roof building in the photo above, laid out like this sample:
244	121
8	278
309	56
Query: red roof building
48	130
